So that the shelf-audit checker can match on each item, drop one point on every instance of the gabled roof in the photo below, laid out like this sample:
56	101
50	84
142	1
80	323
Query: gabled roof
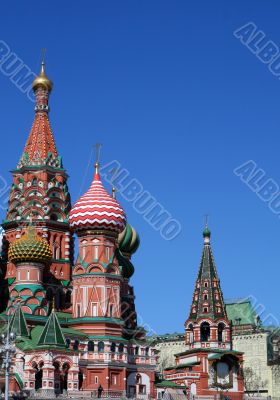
18	324
52	334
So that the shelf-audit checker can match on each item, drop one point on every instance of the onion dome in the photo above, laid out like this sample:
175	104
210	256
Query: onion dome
30	247
128	240
42	80
97	210
206	232
125	264
206	235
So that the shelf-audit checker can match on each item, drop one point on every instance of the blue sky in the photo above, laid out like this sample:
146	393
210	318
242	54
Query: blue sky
180	103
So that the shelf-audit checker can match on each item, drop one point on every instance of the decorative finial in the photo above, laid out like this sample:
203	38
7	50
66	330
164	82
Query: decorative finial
206	232
114	189
43	56
206	216
42	80
53	304
97	157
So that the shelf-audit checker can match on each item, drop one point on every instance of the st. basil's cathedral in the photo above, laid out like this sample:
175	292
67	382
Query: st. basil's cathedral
75	322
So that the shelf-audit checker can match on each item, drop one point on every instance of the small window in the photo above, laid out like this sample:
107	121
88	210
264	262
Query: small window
205	284
90	345
76	345
96	379
205	309
113	347
78	310
206	297
121	348
94	310
111	310
100	347
68	342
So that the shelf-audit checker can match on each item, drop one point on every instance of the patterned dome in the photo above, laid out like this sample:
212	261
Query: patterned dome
30	247
96	209
128	240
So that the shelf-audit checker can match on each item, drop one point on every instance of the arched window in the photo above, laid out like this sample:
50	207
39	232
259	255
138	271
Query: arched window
111	310
221	328
90	345
34	182
100	347
53	217
121	348
205	284
147	351
136	350
191	333
76	345
68	342
204	332
68	297
113	347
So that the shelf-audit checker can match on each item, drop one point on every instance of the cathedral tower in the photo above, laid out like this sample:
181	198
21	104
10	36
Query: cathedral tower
97	218
207	325
208	366
40	189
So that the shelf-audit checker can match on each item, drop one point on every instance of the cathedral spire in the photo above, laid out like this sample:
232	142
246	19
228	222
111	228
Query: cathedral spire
40	148
208	308
208	300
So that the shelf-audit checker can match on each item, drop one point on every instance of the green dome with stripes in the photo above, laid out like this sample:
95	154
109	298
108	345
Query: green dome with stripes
128	240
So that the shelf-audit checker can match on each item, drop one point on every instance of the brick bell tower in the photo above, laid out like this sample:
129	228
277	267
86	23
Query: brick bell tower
208	366
40	190
207	325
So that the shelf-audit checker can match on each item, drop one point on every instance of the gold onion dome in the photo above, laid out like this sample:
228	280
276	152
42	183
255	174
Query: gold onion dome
42	80
30	247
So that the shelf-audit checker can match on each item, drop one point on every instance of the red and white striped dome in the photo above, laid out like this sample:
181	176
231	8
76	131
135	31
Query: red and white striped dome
96	209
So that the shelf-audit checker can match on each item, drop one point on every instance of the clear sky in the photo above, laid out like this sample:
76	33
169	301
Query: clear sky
180	102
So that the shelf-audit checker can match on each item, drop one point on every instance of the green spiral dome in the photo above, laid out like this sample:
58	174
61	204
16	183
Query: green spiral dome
30	247
128	240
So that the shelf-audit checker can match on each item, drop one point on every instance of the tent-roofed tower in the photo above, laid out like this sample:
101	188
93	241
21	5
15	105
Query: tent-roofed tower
207	324
40	190
208	365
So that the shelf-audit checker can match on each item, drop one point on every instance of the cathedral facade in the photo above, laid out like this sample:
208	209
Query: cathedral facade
75	322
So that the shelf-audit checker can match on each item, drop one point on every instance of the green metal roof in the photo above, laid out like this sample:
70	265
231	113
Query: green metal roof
18	324
169	384
52	334
241	312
